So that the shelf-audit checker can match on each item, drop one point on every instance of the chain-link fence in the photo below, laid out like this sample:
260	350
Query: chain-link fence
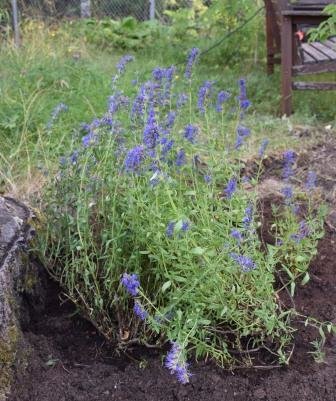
116	9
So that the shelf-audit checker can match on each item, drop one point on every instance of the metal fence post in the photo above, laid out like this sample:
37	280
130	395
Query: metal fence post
16	23
151	9
85	8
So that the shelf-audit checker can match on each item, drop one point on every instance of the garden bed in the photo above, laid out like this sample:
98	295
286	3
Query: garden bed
70	361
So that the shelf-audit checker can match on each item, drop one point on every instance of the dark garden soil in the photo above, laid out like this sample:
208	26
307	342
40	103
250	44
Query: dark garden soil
69	361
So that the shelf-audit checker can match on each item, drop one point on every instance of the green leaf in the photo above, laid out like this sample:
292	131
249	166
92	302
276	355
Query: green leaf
198	251
205	322
292	288
305	279
322	333
290	274
180	279
211	252
223	311
166	285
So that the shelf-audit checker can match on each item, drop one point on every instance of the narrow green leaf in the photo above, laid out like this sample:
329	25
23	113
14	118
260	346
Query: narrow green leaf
292	288
198	251
305	279
166	285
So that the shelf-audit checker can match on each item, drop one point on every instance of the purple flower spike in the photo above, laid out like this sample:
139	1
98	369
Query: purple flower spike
203	95
185	226
180	158
74	157
237	236
192	57
122	63
177	365
89	139
182	373
242	133
140	311
171	119
167	146
248	217
304	232
181	100
61	107
131	283
244	103
263	147
139	103
172	358
311	181
158	74
222	97
151	132
170	229
134	159
287	193
207	179
190	133
289	160
231	188
246	264
169	75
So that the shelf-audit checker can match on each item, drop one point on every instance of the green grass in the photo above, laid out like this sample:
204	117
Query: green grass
47	71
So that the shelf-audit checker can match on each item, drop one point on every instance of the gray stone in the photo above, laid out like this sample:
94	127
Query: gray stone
17	276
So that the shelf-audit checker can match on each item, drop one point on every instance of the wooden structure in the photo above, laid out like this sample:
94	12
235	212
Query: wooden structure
283	19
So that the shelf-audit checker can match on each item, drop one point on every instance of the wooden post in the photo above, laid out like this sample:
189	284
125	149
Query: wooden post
286	65
269	37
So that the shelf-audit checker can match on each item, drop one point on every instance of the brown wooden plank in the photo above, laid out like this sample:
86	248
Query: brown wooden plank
270	22
323	86
331	54
333	39
316	54
286	66
315	4
314	68
311	2
304	13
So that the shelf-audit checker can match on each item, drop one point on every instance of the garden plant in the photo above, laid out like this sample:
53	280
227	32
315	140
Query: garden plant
153	228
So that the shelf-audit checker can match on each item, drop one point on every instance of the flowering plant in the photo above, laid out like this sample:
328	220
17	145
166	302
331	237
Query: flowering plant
153	235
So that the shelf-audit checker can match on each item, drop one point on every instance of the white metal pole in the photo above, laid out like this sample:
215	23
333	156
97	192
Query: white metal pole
85	8
16	23
151	9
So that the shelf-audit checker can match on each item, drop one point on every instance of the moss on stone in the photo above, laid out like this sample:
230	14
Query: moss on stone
8	354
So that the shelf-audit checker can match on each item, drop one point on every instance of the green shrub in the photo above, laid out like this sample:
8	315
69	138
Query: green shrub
152	235
183	27
327	28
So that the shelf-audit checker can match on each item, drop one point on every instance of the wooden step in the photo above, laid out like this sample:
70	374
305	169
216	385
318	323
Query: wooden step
323	86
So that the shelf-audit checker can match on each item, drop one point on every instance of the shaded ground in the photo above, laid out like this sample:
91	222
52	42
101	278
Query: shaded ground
70	362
